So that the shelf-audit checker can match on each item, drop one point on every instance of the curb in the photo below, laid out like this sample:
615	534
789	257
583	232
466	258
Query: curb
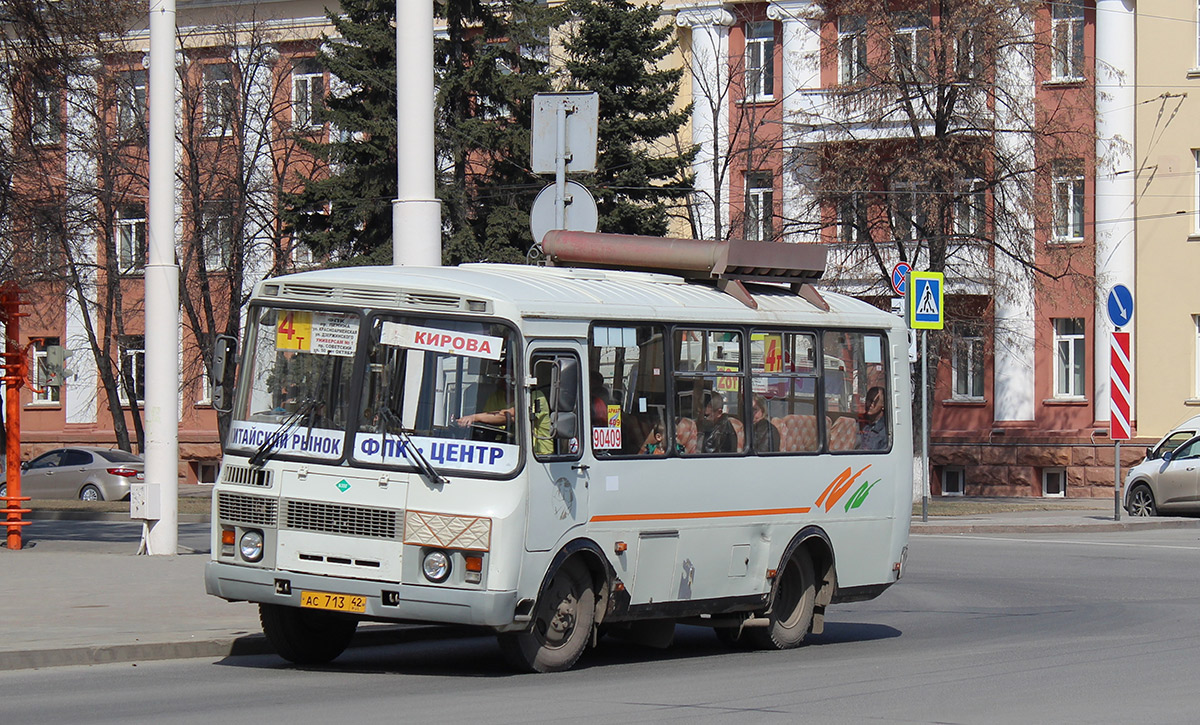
920	529
243	646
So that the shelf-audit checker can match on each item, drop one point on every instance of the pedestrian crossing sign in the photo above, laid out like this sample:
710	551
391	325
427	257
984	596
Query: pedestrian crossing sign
926	300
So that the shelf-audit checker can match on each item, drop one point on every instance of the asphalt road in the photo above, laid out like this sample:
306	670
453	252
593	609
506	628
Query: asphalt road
992	628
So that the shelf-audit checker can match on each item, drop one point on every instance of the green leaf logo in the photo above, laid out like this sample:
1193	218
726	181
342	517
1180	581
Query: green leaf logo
343	485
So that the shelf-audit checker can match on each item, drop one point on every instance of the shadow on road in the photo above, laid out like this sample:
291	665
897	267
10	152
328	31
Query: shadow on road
467	652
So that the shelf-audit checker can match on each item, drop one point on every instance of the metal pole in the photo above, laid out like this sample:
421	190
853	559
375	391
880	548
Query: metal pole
1117	482
12	412
560	167
924	427
162	291
416	212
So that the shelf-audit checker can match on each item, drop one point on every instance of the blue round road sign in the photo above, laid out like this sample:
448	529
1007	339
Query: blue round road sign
899	272
1120	305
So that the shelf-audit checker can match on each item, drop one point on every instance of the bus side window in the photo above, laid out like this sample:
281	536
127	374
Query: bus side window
542	419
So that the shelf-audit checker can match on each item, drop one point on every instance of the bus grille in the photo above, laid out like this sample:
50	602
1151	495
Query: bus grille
426	299
345	520
243	509
246	476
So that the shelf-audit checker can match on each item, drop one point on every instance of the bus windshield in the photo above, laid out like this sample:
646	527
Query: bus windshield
295	383
446	386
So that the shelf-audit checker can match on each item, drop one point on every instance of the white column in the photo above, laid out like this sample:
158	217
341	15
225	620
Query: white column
416	213
81	396
710	114
1013	370
162	289
257	159
801	72
1115	114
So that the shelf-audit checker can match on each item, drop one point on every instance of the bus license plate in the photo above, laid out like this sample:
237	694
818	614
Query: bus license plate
333	602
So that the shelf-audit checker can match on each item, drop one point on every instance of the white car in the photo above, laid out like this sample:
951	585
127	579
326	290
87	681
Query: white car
1168	480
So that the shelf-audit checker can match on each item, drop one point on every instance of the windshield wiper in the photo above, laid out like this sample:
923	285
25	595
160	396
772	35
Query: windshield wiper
418	458
268	446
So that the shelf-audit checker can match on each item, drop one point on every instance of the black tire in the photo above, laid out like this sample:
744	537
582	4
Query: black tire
304	636
90	493
1141	501
562	625
792	608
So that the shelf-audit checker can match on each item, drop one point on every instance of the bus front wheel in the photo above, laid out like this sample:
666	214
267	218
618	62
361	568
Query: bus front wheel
303	636
791	612
562	625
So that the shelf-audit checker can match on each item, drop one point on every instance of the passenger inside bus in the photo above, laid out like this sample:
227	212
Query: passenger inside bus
766	435
873	433
719	433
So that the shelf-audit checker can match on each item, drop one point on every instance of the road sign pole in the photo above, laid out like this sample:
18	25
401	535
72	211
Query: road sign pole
1117	483
924	426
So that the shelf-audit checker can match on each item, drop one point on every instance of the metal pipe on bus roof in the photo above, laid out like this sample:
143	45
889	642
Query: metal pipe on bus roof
626	251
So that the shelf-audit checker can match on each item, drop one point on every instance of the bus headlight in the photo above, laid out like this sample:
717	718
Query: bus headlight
251	545
436	566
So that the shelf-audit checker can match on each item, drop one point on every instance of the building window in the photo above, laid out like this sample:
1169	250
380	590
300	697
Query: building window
852	219
1196	192
970	209
301	255
1054	482
131	104
216	235
308	94
967	371
954	481
1069	346
968	56
1066	27
133	368
131	239
910	47
46	120
1196	358
908	211
1068	201
759	206
760	61
852	49
43	393
218	100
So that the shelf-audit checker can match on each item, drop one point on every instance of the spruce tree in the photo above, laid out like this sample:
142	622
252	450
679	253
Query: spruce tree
489	64
347	214
615	49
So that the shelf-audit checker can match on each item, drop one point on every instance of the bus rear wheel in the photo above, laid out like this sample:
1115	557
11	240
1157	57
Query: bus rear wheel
791	613
303	636
562	625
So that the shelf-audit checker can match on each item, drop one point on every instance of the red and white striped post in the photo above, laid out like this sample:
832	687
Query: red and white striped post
1119	428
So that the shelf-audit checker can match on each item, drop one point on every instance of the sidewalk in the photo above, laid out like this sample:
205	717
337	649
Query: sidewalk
81	596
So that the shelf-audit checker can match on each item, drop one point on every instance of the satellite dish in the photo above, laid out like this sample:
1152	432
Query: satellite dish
579	215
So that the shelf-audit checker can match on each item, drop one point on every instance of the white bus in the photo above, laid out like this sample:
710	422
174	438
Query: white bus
559	452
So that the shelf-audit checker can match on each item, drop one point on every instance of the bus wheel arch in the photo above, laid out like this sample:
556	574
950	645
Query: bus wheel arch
802	588
571	603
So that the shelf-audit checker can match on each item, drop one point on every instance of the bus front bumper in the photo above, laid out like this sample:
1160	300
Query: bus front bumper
384	600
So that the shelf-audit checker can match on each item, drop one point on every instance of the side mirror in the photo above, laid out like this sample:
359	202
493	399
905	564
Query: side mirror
224	351
24	465
564	425
1167	456
564	385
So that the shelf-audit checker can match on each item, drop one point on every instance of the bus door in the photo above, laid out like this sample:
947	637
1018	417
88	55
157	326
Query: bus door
556	471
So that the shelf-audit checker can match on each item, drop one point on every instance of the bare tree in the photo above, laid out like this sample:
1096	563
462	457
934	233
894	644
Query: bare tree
242	136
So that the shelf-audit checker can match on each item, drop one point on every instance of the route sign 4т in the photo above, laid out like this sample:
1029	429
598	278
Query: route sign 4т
925	300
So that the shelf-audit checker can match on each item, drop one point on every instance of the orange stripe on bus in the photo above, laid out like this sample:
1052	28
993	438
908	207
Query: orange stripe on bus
699	515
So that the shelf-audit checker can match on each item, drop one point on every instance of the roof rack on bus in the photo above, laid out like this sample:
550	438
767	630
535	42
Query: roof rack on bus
728	263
